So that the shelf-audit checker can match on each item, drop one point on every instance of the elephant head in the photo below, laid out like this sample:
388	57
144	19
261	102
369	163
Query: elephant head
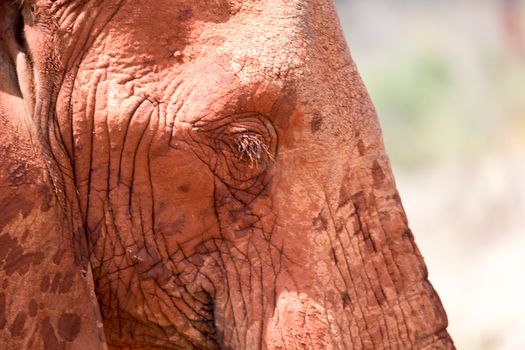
198	174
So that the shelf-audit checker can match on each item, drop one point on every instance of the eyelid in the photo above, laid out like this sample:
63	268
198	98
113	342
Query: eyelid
238	130
207	124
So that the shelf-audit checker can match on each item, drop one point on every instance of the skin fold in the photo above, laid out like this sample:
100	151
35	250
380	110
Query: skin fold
198	175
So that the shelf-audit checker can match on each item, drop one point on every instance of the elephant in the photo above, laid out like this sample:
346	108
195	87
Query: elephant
198	175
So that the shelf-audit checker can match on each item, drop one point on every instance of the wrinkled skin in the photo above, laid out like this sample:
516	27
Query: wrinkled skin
198	175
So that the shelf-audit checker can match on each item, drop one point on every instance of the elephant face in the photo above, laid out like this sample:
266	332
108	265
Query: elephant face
226	170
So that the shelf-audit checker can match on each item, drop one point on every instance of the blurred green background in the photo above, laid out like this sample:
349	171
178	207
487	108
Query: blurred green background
448	80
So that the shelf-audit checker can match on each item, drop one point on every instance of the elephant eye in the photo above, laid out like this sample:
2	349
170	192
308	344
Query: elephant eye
251	148
240	149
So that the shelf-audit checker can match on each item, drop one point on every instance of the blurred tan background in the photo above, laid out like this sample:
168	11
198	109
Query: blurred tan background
448	80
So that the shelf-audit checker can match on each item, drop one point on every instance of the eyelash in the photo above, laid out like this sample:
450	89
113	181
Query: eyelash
252	147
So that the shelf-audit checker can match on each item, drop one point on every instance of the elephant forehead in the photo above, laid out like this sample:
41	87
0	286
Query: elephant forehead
168	28
222	56
210	61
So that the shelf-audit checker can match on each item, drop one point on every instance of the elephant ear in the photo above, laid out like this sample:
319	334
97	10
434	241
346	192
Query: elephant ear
47	298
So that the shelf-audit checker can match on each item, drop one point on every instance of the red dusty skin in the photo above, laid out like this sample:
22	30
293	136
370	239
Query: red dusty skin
211	171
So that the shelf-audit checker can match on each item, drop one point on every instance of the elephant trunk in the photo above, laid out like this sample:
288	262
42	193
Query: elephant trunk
328	261
334	268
